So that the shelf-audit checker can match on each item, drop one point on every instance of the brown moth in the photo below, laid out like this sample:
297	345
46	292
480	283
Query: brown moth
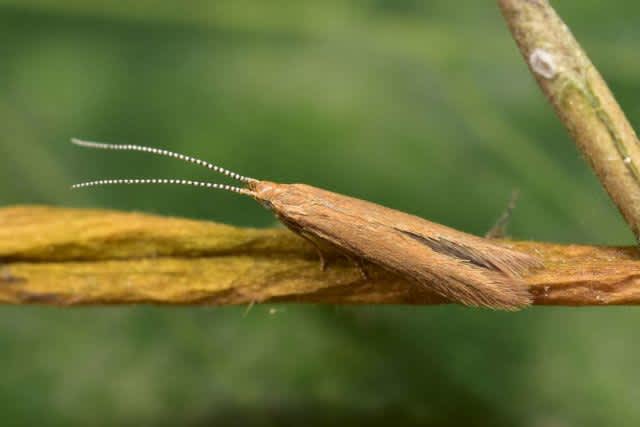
461	267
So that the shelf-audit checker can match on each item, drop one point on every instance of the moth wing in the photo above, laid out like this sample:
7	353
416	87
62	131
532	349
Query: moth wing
486	274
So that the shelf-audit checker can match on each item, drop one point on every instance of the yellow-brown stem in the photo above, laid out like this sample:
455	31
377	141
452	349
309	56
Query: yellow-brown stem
58	256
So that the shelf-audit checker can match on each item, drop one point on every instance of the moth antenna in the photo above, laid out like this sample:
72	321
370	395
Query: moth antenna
126	181
167	153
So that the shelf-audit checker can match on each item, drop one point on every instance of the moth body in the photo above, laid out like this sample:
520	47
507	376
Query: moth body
457	266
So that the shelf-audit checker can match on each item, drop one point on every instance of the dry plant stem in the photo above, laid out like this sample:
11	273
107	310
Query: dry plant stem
57	256
582	100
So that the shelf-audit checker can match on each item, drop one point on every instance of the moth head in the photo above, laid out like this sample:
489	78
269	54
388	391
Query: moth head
267	193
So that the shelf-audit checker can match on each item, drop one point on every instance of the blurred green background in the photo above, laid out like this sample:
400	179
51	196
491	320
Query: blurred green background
424	106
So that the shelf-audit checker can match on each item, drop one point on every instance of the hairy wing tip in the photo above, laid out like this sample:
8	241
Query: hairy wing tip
510	294
515	264
519	300
497	291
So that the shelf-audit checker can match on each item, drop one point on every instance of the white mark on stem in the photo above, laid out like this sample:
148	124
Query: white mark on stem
627	160
542	62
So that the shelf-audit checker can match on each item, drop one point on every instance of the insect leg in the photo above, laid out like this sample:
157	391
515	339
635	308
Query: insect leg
360	265
323	260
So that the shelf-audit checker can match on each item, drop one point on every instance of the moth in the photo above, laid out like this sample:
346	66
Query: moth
460	267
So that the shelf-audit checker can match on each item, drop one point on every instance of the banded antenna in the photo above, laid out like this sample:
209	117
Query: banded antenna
167	153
